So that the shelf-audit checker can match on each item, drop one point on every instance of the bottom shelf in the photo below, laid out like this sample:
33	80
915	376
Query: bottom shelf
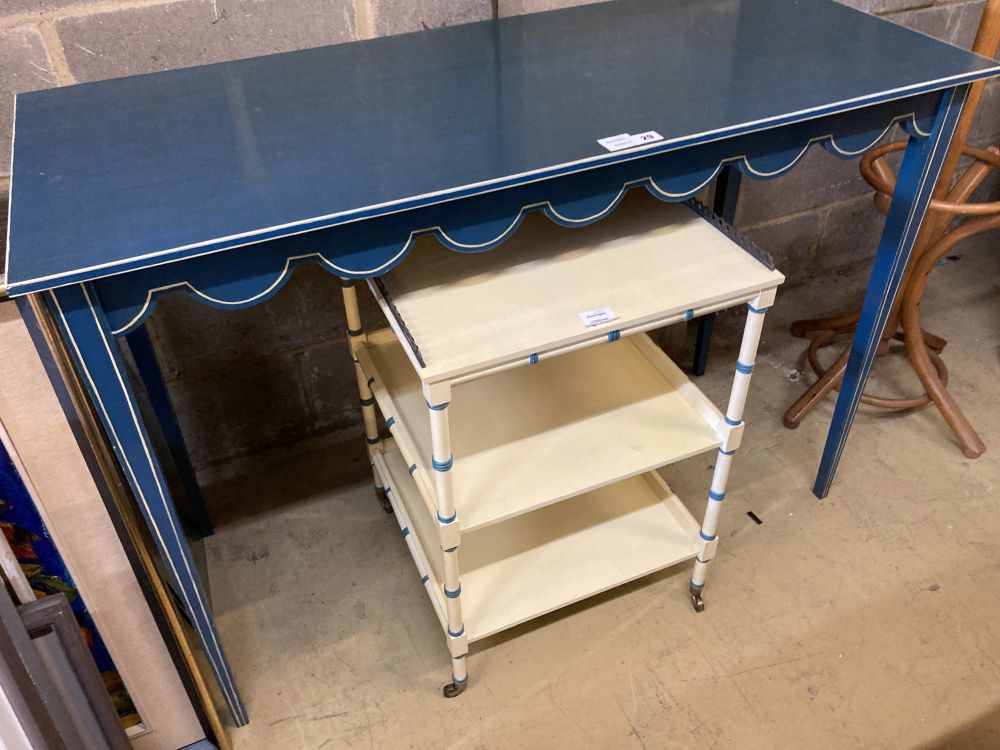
535	563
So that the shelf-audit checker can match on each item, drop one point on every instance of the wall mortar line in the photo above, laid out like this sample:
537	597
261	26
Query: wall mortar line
923	5
78	11
56	53
364	19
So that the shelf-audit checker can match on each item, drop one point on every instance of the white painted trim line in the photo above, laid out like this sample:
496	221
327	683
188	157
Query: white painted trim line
135	482
546	206
780	170
650	182
10	192
449	194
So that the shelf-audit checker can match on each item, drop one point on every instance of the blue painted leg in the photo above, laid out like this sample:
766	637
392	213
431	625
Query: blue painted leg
917	178
84	325
703	343
149	372
727	192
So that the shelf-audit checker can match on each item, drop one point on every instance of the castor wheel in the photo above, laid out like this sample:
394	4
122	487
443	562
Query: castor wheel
383	498
696	601
453	690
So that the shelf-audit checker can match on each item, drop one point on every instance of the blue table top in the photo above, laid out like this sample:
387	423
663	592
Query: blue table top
117	175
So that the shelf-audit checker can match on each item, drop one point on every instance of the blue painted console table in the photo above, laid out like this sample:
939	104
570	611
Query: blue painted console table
219	180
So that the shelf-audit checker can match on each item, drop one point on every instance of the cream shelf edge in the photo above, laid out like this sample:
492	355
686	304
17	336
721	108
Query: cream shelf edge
525	438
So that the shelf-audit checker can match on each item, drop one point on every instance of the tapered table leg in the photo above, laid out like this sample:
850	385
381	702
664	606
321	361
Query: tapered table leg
78	311
918	176
149	372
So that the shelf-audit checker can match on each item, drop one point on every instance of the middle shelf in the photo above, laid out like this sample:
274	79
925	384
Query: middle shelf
513	572
532	436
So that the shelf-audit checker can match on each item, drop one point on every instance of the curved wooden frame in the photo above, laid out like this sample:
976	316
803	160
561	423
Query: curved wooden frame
923	347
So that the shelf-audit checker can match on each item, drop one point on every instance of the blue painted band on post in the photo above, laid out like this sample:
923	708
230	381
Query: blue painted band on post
532	359
450	549
371	382
720	496
355	331
703	562
697	586
438	407
613	336
413	468
453	594
347	283
457	681
706	538
734	423
372	441
458	634
727	453
390	422
406	531
370	401
745	369
443	465
425	579
451	519
460	656
688	314
755	310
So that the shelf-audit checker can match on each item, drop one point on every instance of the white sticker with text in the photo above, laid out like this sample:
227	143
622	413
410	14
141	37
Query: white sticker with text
623	141
598	316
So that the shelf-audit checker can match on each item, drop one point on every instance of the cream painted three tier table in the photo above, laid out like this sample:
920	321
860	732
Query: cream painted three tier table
529	410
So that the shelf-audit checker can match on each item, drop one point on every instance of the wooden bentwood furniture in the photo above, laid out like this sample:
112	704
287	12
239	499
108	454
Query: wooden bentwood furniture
219	180
937	238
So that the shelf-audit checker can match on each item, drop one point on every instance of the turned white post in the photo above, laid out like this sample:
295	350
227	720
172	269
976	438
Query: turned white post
732	431
356	335
437	397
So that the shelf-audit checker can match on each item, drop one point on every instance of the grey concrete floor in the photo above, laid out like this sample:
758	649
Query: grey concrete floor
869	620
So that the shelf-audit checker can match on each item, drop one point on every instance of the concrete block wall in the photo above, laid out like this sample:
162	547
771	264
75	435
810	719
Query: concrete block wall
819	217
244	381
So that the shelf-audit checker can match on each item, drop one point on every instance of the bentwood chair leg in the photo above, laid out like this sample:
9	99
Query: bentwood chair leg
801	327
917	344
972	444
817	392
936	343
